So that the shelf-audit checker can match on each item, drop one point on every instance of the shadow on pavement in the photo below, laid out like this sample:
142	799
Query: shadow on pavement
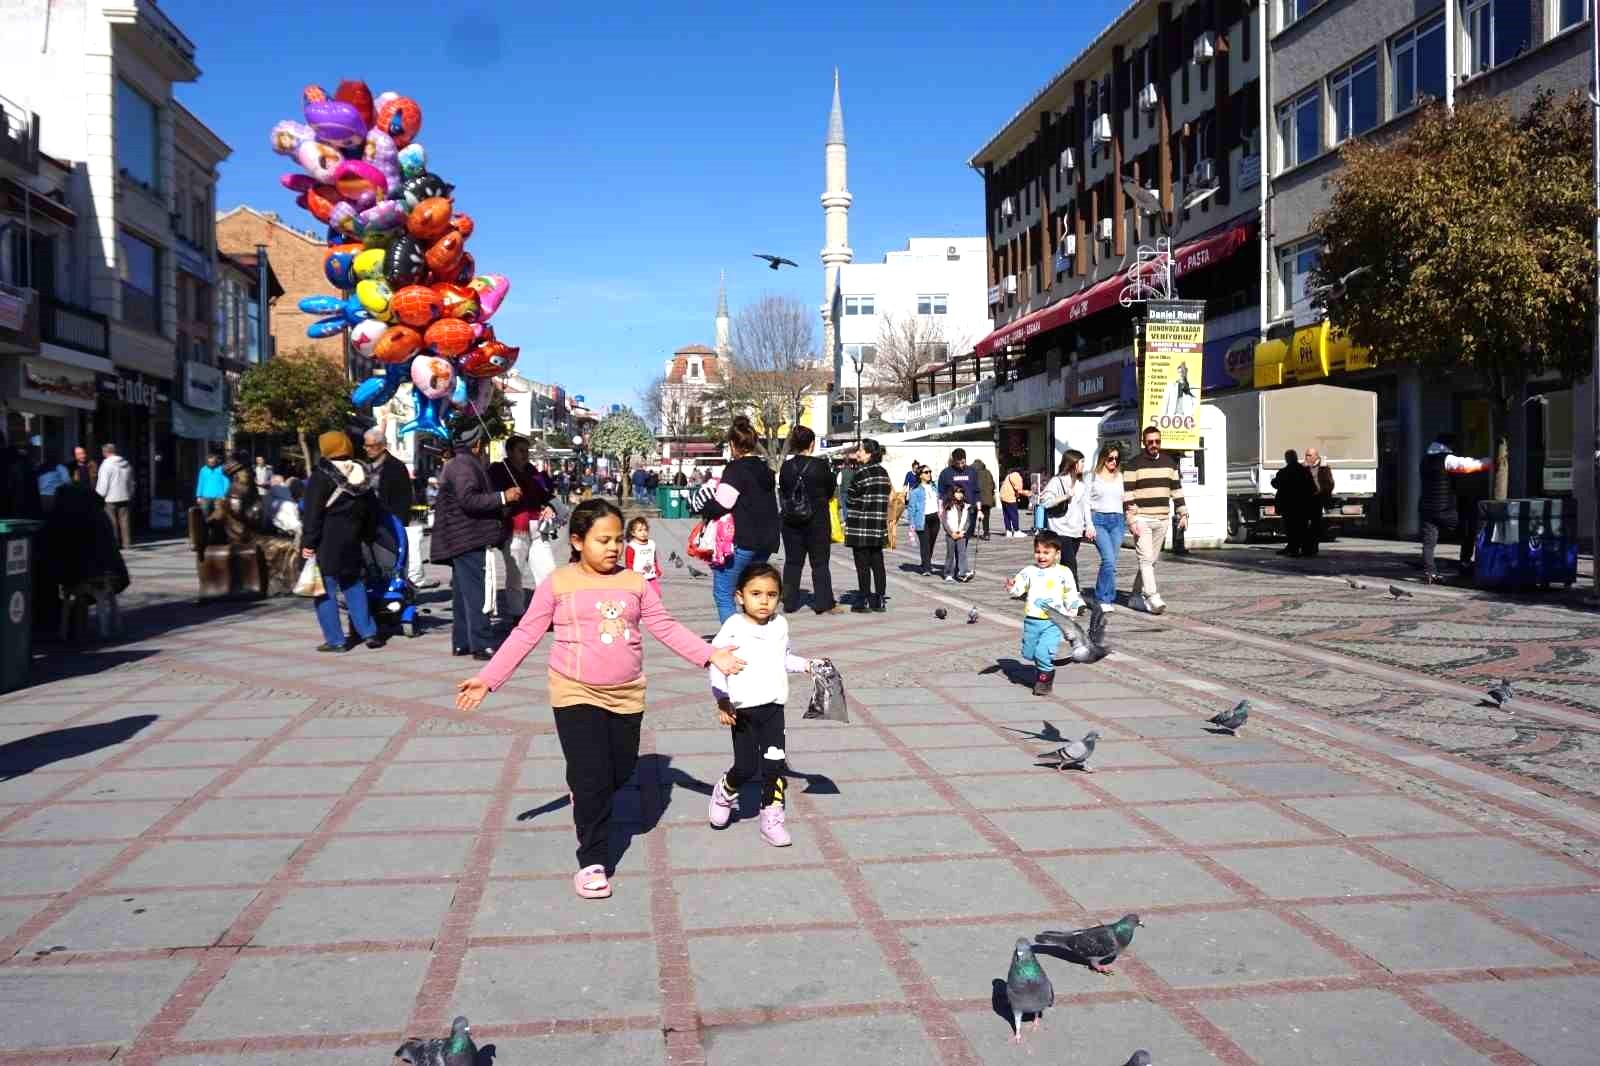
24	756
63	662
1015	671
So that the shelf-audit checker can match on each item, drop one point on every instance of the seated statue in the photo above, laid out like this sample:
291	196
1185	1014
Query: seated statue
243	517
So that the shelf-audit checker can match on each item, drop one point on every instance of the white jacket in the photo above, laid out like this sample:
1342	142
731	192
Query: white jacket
1071	523
115	483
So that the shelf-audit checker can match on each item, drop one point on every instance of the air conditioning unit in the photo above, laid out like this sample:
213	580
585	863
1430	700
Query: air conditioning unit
1205	47
1008	207
1148	98
1103	230
1102	130
1069	161
1010	284
951	252
1069	244
1204	174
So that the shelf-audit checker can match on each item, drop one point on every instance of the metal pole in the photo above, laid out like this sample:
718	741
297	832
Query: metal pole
858	361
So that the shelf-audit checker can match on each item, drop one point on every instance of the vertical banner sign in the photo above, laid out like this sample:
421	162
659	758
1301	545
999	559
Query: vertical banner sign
1174	343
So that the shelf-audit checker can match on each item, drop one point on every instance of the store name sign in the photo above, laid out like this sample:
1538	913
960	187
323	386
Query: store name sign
131	390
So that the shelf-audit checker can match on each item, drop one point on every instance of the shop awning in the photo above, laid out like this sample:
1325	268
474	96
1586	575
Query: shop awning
1101	296
1310	354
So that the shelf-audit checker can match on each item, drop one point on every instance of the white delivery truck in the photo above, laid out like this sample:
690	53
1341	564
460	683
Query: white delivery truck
1342	424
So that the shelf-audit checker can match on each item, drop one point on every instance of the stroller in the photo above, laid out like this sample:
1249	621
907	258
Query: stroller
391	594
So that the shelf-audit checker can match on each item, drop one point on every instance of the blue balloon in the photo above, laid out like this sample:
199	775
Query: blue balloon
427	420
322	305
380	390
343	312
458	392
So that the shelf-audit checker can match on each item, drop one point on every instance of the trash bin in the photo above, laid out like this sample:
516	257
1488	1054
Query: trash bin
1524	544
16	592
662	494
677	504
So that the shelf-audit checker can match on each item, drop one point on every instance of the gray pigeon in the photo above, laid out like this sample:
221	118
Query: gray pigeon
1399	593
1097	945
1084	650
1139	1058
457	1049
695	573
940	613
972	616
1074	755
1501	694
1233	718
1353	583
1097	623
1028	988
675	559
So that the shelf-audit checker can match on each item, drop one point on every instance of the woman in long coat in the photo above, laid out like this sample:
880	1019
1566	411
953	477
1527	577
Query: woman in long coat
867	525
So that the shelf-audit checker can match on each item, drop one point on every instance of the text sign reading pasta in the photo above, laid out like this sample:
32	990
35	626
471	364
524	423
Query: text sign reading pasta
1174	341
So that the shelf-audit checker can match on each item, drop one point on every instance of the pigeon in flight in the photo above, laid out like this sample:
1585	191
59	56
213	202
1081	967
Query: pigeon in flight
1399	593
1074	755
1501	694
972	616
1233	718
695	573
1097	945
776	261
1084	650
1028	988
457	1049
1353	583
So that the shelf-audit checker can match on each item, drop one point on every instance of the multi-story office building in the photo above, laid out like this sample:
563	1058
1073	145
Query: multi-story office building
1151	132
1342	69
199	403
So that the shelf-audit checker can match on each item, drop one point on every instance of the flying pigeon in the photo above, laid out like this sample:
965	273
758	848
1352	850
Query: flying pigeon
1353	583
1234	718
1028	988
1399	593
1097	945
1501	694
457	1049
940	613
1084	650
675	560
776	261
695	573
1074	755
1139	1058
972	616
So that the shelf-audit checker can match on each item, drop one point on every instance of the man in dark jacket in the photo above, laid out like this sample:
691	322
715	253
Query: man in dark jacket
1437	506
468	519
1322	478
1296	491
397	494
958	473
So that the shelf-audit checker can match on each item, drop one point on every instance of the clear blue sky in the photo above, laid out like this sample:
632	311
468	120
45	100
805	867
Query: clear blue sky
615	157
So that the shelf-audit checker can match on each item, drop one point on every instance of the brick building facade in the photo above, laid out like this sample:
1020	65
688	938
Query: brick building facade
297	265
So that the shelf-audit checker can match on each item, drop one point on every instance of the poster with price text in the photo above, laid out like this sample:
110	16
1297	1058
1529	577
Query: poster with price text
1174	342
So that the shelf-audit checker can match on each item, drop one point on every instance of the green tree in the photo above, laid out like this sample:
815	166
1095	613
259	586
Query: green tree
1468	246
623	435
298	392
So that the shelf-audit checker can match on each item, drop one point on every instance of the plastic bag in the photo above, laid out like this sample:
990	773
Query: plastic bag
827	693
310	580
835	523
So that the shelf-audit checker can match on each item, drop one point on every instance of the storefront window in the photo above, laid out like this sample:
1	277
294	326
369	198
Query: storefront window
252	329
140	268
138	136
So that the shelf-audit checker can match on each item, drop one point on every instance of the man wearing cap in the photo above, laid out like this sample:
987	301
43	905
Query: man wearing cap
468	519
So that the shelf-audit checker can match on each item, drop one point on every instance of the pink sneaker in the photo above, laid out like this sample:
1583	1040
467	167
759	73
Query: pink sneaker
772	830
720	811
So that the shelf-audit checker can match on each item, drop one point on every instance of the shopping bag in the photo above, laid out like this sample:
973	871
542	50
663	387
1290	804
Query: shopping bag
310	581
541	562
835	524
827	693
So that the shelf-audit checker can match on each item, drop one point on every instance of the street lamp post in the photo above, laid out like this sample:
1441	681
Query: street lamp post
857	360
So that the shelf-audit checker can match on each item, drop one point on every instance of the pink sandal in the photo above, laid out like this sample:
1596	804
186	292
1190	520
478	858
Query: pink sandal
590	883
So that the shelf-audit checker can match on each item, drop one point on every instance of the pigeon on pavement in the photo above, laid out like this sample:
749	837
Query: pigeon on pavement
1399	593
1501	694
1353	583
972	616
1139	1058
1028	988
1097	945
940	613
1074	755
675	560
695	573
1233	718
457	1049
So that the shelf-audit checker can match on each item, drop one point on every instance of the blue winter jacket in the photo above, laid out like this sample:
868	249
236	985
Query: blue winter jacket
212	484
916	509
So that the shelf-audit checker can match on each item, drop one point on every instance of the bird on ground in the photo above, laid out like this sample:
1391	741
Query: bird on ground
1501	694
1096	945
1139	1058
1353	583
457	1049
1028	988
940	613
675	560
1074	755
776	261
1232	719
1399	593
972	616
695	573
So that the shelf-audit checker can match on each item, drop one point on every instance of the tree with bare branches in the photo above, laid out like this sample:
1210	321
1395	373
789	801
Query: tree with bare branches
772	369
906	343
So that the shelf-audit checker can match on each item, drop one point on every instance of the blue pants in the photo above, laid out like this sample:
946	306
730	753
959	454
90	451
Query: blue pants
1040	638
725	578
355	601
1108	530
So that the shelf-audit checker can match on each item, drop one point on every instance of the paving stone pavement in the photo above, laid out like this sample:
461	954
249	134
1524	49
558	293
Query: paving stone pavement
235	852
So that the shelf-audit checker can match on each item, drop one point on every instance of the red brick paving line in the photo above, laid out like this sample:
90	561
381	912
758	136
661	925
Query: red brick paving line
159	1036
1369	972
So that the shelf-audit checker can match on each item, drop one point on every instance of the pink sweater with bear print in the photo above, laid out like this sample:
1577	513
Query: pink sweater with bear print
598	657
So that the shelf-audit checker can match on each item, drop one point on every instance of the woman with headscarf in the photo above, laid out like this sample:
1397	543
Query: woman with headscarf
339	510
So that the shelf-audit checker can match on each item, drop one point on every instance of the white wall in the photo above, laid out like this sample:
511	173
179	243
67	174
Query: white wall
923	267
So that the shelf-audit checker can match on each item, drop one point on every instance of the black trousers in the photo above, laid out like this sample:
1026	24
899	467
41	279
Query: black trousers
602	749
757	732
470	629
1296	524
802	544
927	537
1069	556
1432	526
870	575
984	510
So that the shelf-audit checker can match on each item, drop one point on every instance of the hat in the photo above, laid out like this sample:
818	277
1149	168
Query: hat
466	436
334	444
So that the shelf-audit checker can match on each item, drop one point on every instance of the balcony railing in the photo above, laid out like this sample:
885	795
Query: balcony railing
73	327
969	403
19	139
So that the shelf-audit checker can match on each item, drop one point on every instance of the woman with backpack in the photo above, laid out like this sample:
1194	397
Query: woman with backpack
806	484
746	492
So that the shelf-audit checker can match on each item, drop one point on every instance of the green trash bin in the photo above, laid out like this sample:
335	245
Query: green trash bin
16	592
661	499
676	506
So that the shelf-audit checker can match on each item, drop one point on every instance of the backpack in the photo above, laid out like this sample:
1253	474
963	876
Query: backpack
797	506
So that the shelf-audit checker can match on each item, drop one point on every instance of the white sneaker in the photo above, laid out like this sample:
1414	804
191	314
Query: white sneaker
1108	608
1156	604
949	579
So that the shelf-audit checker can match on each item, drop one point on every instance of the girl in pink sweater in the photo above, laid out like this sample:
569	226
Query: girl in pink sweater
596	672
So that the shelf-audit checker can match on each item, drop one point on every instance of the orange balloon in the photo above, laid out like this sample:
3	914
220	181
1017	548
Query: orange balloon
463	225
397	344
430	219
416	305
449	337
444	254
459	301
